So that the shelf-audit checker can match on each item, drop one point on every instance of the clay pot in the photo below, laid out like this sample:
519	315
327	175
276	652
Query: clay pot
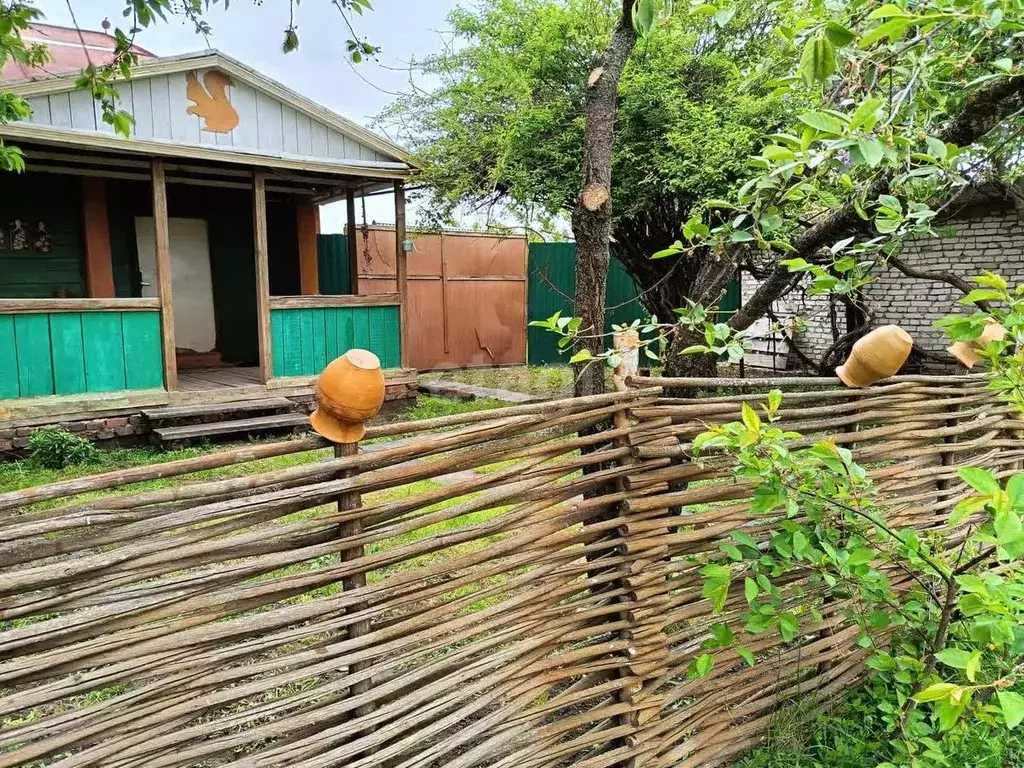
349	391
965	351
876	356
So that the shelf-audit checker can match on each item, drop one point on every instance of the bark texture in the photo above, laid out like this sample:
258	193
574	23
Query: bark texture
592	217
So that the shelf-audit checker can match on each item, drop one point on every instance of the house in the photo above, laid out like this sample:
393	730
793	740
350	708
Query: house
179	266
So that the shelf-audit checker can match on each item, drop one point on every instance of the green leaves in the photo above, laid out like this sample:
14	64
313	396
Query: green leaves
788	626
936	692
822	122
717	579
979	479
957	658
818	61
701	666
1012	706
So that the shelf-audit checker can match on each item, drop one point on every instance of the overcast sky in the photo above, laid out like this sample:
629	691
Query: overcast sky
252	33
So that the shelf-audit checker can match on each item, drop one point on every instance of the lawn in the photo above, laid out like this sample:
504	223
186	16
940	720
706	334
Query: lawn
542	381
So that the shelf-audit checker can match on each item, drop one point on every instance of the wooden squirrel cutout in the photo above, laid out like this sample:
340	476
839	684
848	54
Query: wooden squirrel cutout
211	101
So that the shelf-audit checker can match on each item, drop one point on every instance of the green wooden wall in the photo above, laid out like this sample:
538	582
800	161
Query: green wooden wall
66	353
57	202
305	340
552	277
333	265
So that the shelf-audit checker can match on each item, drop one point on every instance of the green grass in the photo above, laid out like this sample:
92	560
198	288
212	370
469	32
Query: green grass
543	381
850	736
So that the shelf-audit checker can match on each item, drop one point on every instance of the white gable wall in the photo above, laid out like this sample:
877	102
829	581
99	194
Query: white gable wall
159	104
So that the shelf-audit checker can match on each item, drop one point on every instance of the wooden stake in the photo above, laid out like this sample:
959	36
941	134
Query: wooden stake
259	220
353	245
163	274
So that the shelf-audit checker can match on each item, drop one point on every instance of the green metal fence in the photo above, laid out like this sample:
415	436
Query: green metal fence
333	265
552	285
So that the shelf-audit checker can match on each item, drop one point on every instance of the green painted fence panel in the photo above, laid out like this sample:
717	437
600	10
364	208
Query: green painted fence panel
305	340
552	285
71	353
333	264
68	353
9	386
104	351
143	358
35	364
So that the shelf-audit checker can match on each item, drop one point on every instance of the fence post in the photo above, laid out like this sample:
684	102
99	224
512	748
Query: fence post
346	502
646	591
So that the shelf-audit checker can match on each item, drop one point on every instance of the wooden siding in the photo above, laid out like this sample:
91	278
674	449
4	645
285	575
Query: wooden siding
305	340
159	104
66	353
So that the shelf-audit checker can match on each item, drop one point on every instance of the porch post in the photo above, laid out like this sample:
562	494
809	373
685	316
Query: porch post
99	267
163	274
307	222
353	245
259	220
402	270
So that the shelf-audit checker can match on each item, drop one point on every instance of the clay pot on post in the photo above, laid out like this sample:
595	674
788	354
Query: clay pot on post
349	391
876	356
965	351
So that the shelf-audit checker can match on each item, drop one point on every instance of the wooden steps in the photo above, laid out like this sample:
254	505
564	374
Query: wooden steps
177	425
240	426
172	412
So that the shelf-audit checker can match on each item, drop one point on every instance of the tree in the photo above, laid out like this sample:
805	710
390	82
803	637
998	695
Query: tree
100	79
505	125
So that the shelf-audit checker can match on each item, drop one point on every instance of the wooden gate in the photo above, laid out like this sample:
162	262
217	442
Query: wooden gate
467	295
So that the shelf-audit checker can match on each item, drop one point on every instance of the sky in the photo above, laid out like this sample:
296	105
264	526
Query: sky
252	31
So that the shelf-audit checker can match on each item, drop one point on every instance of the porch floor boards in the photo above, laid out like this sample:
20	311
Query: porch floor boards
218	378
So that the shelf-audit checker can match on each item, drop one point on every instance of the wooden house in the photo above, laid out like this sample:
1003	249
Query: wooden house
179	266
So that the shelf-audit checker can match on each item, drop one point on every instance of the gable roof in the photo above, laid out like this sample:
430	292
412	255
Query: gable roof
384	153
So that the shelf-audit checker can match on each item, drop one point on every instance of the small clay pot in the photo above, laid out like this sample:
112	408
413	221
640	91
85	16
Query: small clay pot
876	356
965	351
349	391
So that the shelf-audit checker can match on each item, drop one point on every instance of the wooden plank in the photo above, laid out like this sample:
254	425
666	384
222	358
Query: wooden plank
99	264
163	273
353	246
291	341
361	328
103	340
277	341
378	333
9	386
306	214
142	364
322	302
68	353
259	218
307	332
393	332
332	344
35	365
345	319
402	270
319	340
212	409
19	306
256	424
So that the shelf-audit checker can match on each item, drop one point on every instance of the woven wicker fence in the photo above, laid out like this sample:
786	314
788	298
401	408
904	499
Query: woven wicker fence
488	603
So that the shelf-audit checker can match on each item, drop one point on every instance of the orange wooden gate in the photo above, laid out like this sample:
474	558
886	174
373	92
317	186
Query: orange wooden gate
467	295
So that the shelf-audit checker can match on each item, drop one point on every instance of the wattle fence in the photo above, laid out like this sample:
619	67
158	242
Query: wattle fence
464	596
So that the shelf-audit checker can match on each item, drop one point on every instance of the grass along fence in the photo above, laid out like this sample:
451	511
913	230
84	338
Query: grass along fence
529	615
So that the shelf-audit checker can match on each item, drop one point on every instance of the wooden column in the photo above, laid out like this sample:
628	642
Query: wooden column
307	221
99	265
259	223
163	274
402	270
353	244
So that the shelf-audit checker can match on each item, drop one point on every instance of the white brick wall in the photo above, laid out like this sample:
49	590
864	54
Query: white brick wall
988	237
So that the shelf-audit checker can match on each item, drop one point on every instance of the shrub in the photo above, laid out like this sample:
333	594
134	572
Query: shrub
56	448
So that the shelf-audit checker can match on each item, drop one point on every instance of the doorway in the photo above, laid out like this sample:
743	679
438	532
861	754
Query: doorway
195	322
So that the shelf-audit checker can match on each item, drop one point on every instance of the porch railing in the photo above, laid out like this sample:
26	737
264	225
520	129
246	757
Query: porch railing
307	332
75	346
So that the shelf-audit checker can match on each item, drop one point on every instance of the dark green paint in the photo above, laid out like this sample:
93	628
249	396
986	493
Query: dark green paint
67	353
552	285
305	340
333	265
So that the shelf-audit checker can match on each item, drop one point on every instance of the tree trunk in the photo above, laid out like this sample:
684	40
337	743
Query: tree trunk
592	218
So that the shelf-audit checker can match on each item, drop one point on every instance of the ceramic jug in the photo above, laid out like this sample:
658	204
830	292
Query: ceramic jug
349	391
876	356
965	351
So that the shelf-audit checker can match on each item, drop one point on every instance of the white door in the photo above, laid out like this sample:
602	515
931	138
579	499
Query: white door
191	281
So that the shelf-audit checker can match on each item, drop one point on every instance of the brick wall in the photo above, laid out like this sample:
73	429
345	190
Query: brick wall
986	236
